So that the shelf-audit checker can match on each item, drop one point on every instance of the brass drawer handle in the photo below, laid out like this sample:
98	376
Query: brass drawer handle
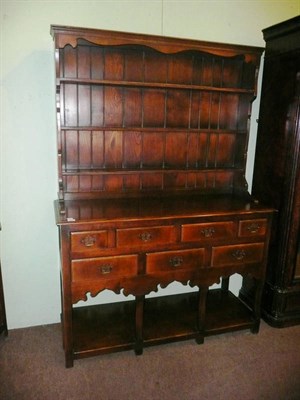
208	232
145	236
176	261
253	228
106	269
88	241
239	254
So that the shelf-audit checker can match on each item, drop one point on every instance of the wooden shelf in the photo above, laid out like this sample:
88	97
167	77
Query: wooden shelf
105	328
160	85
142	129
111	327
122	171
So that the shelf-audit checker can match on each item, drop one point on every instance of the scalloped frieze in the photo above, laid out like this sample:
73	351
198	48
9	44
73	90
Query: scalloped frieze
144	284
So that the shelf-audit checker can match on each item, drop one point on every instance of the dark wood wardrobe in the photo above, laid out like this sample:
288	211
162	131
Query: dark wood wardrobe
276	179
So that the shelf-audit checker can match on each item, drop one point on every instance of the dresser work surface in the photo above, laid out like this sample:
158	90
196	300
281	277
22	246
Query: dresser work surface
152	137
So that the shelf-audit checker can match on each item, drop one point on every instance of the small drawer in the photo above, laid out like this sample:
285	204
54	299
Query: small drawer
237	254
252	227
146	236
82	242
104	268
214	230
174	260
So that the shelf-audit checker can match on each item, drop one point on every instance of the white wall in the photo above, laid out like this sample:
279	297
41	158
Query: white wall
29	245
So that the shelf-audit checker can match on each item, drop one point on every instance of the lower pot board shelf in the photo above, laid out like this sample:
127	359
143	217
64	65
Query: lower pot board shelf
108	328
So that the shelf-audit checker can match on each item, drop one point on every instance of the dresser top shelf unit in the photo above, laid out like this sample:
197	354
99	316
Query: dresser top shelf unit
144	115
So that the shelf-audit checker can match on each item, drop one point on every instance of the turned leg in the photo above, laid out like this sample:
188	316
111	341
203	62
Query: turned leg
201	314
67	338
139	317
257	306
69	360
66	298
67	334
67	329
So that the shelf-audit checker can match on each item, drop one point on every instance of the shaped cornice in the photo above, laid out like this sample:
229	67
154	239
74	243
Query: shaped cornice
66	35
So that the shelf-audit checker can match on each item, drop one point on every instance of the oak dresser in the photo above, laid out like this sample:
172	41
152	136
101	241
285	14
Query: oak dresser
152	137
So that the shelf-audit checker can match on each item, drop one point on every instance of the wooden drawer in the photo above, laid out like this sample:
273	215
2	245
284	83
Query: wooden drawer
237	254
214	230
252	227
146	236
91	241
174	260
104	268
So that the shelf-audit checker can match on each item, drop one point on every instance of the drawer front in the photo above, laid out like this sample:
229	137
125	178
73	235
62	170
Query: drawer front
214	230
146	236
104	268
252	227
174	260
237	254
91	241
